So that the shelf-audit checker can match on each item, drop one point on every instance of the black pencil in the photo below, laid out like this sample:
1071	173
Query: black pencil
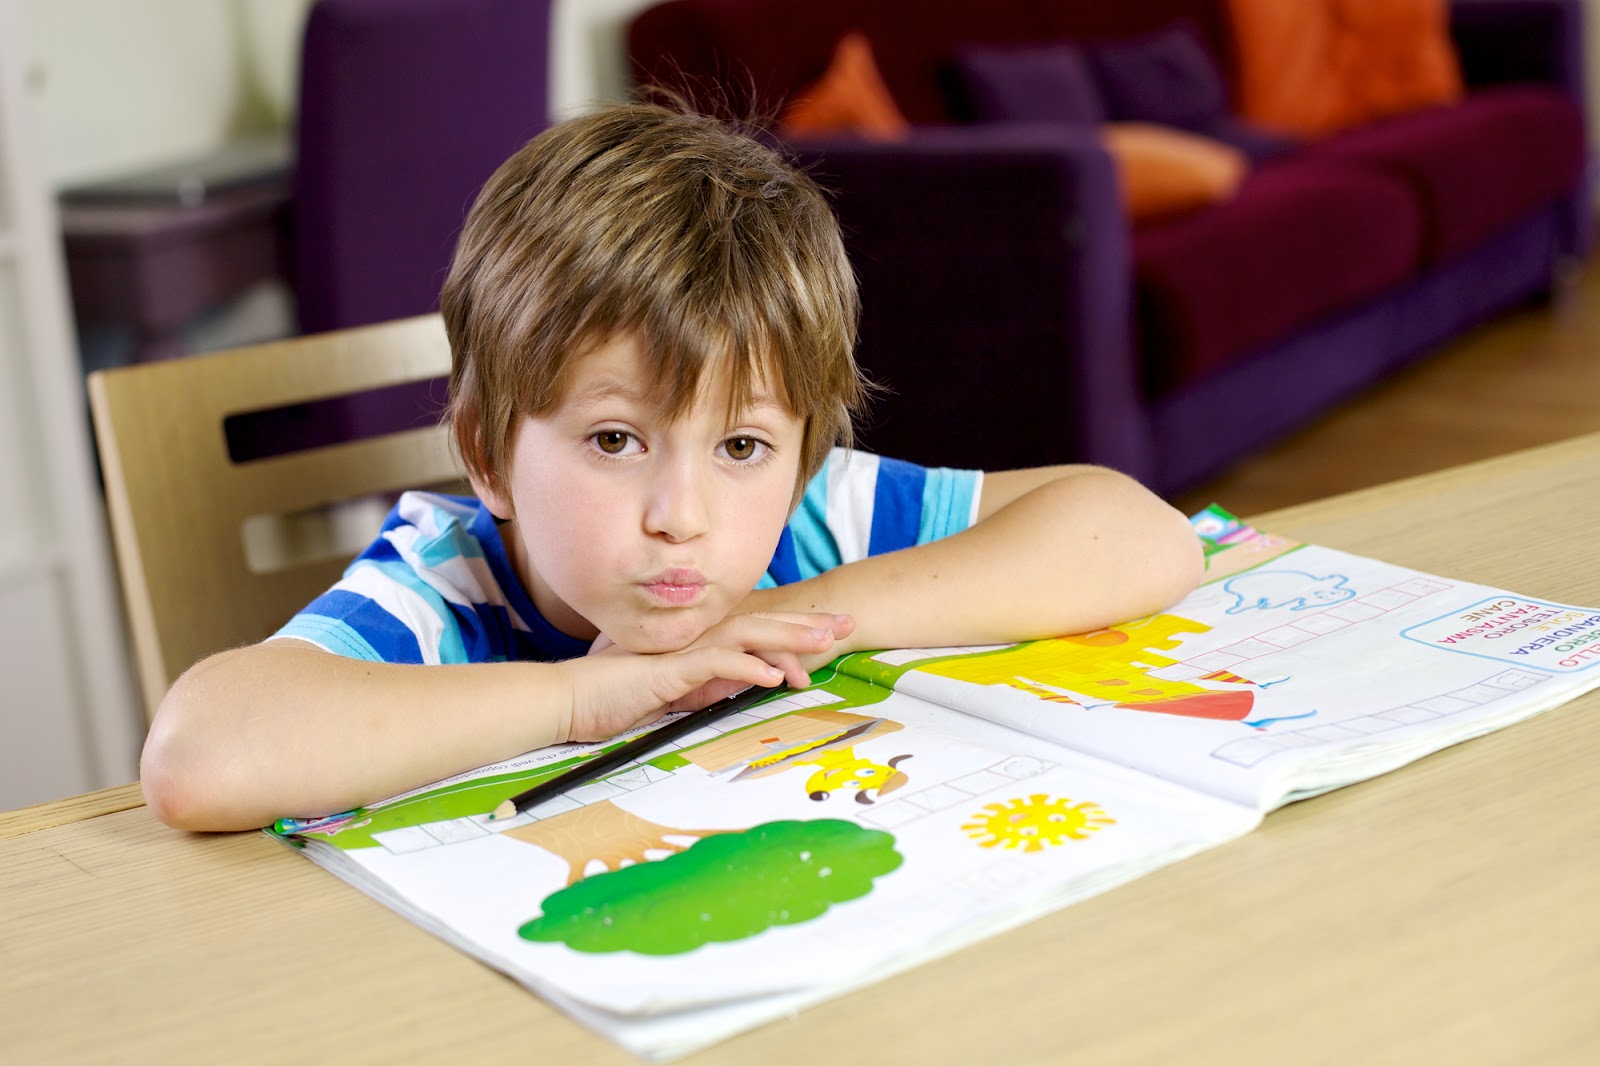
641	745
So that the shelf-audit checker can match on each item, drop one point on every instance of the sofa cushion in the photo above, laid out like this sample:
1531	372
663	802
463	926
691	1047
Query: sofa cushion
1029	83
1120	21
850	97
1311	67
1475	167
1298	242
1163	171
1168	77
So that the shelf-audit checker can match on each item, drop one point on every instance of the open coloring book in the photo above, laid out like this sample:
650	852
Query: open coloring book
914	801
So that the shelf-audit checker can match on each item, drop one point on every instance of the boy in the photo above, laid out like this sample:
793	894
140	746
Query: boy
652	321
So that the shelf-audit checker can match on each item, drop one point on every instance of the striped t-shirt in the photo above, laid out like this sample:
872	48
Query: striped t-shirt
438	587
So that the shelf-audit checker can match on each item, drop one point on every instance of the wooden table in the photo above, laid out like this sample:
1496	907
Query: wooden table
1448	912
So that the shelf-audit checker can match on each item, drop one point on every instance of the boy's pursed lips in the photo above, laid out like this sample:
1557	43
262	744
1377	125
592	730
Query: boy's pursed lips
678	586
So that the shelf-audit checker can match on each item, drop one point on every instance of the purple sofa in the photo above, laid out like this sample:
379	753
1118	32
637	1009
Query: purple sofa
405	108
1016	316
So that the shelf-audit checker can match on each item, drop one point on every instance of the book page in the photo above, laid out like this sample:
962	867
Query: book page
1292	670
819	842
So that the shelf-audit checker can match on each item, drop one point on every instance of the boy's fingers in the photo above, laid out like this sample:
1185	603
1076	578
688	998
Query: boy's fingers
794	671
699	669
801	633
838	624
618	691
705	695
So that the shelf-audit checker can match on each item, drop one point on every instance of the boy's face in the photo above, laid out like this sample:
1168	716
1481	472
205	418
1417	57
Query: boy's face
628	523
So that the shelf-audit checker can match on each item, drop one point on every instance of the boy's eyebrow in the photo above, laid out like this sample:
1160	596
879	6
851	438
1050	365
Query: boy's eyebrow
760	401
610	388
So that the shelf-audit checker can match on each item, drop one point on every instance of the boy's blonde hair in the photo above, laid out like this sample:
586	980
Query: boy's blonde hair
640	220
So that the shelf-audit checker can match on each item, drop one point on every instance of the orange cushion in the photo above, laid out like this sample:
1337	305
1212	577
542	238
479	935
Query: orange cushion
1311	67
1406	59
850	97
1163	171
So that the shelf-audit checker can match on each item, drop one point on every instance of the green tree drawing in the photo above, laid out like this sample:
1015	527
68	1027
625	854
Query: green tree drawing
723	888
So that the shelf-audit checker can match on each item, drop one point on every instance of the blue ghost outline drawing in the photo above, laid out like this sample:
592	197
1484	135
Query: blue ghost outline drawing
1268	590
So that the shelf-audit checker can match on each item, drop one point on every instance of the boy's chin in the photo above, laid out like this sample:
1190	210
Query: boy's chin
659	636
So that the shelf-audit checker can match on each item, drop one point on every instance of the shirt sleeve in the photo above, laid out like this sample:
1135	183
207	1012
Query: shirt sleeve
393	603
862	504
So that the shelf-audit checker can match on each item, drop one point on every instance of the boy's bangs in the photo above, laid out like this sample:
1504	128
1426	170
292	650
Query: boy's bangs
684	351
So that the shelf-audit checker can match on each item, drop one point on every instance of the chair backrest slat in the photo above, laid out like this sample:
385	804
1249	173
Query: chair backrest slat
179	503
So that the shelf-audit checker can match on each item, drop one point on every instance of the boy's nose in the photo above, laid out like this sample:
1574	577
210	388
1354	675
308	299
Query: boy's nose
676	508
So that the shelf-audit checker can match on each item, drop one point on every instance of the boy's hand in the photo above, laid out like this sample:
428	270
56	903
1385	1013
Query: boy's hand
613	690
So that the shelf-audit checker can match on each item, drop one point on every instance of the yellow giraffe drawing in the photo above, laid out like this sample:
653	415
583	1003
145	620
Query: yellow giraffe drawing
821	739
842	768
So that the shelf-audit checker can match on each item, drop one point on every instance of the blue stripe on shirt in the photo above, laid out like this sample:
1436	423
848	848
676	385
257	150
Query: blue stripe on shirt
897	506
811	542
947	503
453	540
785	566
352	625
381	550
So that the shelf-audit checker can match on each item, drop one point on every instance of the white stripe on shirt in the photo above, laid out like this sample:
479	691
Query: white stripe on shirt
852	486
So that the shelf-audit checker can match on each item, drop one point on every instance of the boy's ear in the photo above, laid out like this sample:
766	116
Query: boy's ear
486	484
487	488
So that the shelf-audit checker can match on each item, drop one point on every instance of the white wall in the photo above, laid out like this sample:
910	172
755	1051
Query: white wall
68	721
125	84
589	42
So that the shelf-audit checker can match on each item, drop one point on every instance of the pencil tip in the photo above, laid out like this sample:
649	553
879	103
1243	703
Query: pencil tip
505	810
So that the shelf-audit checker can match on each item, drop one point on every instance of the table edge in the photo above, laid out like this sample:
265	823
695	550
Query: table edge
1378	497
79	808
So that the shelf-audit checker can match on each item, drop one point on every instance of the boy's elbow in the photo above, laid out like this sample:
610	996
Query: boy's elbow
175	782
1149	557
184	772
1173	561
1185	563
168	790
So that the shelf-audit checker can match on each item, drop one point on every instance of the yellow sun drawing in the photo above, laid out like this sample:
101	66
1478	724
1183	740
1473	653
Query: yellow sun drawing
1032	823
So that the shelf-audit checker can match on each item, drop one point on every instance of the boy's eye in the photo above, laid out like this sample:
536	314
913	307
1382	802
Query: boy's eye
611	441
744	448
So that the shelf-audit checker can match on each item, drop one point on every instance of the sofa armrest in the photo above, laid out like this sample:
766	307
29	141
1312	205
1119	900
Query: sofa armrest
995	280
1509	41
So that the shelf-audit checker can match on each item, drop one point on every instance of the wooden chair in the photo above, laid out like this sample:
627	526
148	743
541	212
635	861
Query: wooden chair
179	502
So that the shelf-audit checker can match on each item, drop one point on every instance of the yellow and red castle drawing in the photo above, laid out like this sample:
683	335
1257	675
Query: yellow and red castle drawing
1110	666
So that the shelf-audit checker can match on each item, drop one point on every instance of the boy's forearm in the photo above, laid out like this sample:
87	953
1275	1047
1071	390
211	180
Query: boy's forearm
286	729
1073	555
